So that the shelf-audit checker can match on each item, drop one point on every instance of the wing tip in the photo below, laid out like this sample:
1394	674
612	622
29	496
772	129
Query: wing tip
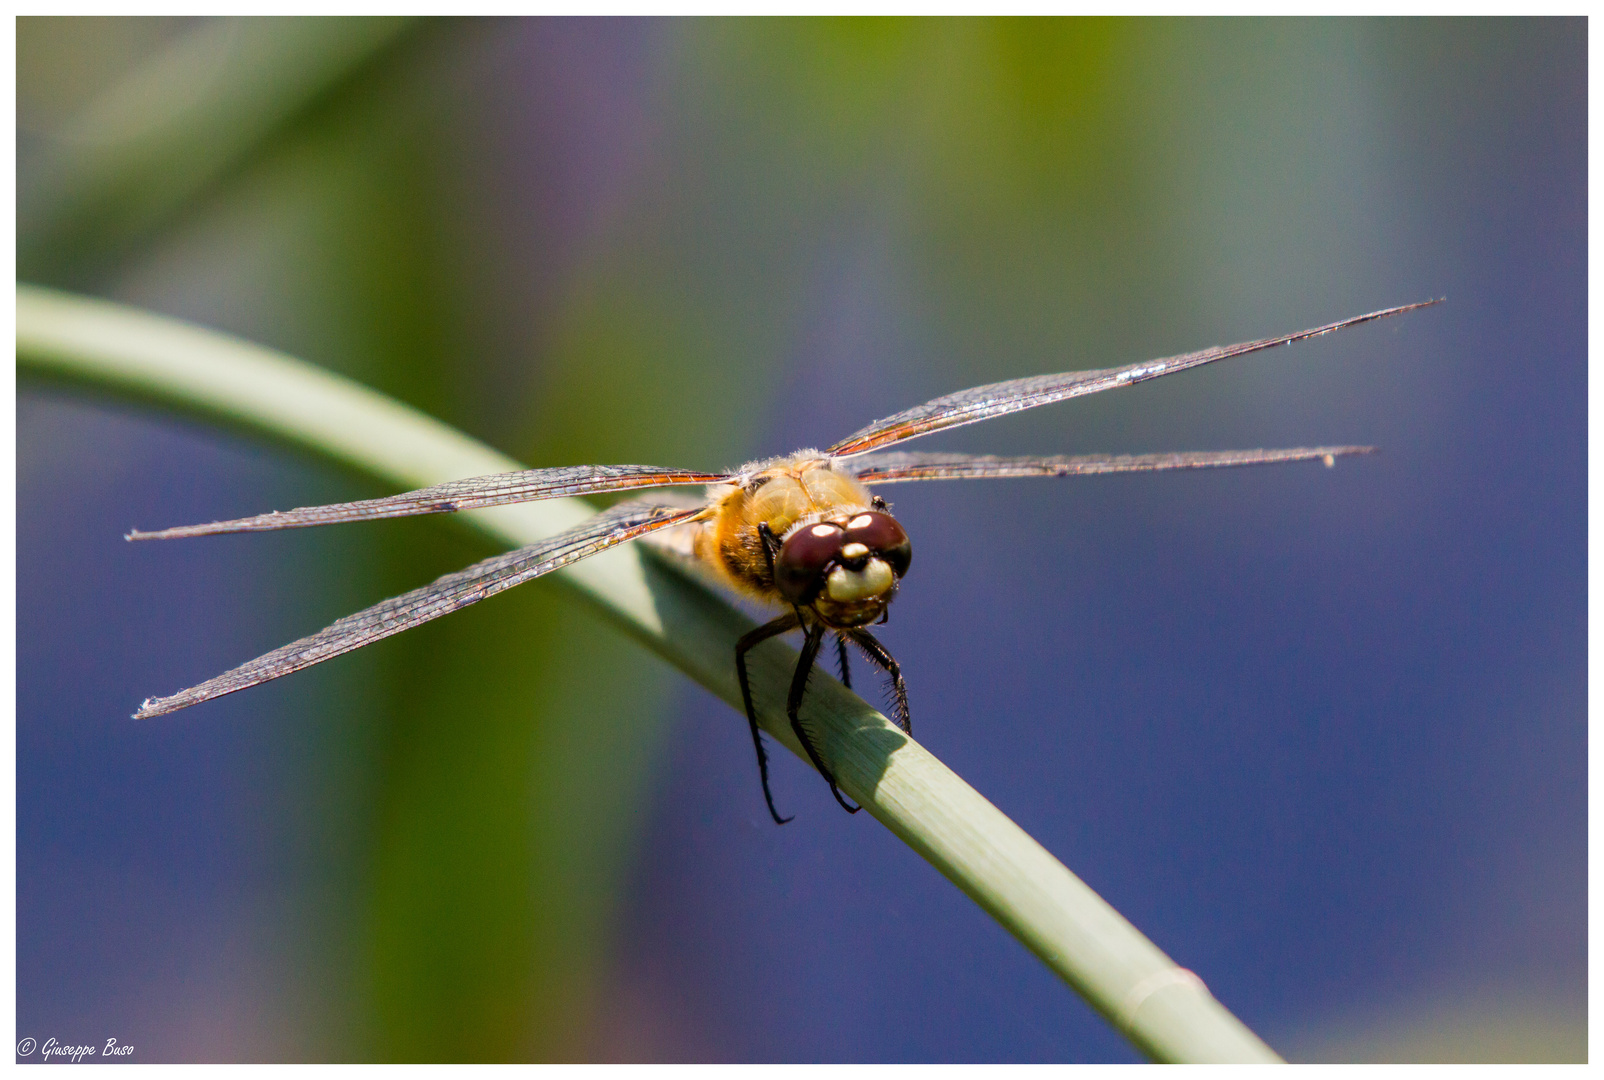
1332	453
1402	309
161	706
175	532
260	523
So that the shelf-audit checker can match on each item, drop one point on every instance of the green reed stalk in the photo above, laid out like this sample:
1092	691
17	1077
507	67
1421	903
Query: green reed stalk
1163	1009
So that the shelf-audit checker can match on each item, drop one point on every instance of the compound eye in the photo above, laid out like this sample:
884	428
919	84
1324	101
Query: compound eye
884	538
806	554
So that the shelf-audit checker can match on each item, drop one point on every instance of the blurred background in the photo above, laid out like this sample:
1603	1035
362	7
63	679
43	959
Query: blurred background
1319	733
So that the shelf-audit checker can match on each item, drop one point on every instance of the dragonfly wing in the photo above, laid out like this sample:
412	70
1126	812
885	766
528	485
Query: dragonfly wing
900	467
531	485
611	527
1000	399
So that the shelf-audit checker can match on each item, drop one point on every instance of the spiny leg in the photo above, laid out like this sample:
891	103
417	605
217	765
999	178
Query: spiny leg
841	660
877	652
748	641
793	705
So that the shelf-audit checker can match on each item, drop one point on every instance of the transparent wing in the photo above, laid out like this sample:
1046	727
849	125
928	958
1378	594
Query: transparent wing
897	468
530	485
607	529
999	399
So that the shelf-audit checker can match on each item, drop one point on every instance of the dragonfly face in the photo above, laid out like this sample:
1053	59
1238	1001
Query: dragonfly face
845	568
802	533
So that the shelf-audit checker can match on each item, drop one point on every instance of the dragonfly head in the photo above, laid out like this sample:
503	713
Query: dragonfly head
846	569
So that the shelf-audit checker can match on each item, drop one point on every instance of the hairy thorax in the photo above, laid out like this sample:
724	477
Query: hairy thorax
787	493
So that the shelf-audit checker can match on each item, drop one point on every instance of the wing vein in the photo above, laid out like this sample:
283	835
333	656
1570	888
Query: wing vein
447	594
530	485
895	468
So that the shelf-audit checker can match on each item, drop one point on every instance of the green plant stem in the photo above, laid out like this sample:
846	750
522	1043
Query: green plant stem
1165	1011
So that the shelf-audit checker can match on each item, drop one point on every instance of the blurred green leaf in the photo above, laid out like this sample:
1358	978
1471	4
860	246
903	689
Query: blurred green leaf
151	142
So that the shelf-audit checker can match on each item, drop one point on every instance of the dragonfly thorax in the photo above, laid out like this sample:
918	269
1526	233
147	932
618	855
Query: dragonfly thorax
821	554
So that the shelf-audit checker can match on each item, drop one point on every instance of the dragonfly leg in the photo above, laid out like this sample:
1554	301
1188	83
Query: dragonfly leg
877	652
763	633
841	661
771	545
793	706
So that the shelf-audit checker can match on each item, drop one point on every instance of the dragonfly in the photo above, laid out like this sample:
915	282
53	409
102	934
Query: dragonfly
801	533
